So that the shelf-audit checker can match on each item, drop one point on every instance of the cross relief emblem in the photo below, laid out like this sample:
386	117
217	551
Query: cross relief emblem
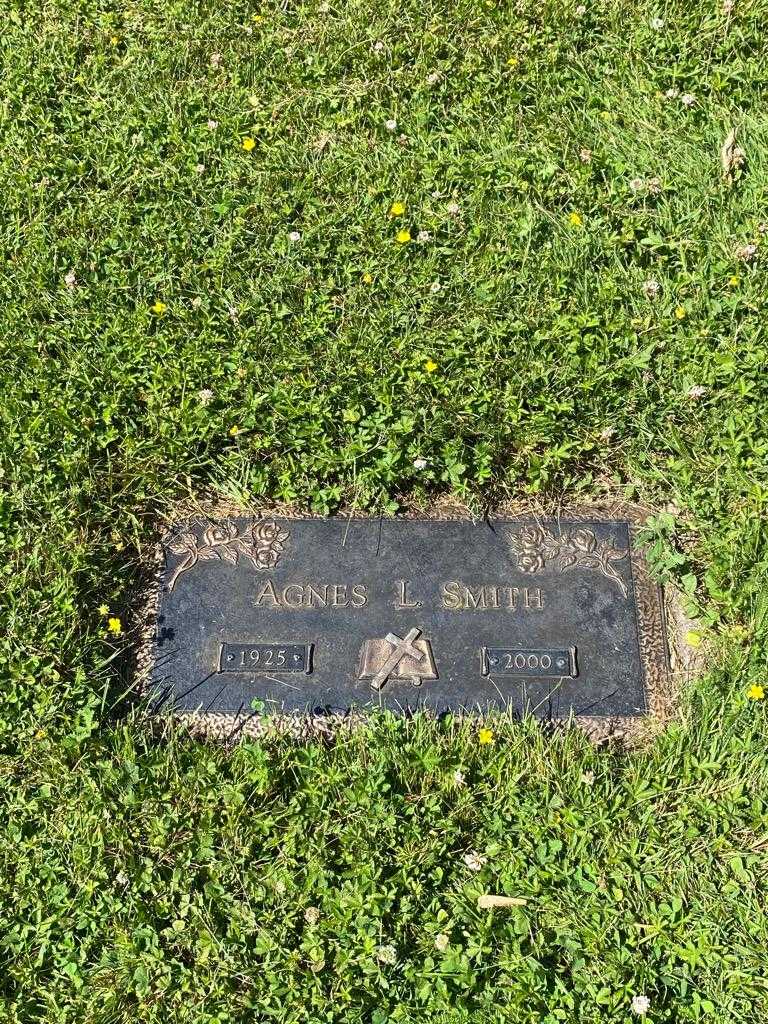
397	657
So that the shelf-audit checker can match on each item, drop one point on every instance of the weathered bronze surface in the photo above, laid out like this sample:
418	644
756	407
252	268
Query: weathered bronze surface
309	615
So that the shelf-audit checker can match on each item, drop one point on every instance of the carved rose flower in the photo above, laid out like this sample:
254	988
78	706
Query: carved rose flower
530	561
267	532
583	540
267	558
531	537
220	534
223	541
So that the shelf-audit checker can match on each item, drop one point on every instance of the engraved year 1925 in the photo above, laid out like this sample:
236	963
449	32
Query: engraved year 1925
265	657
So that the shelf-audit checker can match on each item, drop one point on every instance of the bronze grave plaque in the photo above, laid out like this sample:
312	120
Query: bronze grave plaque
281	615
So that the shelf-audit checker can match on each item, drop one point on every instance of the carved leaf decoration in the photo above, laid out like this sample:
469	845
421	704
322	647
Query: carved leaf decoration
208	553
615	554
589	562
228	555
535	548
183	543
263	546
550	547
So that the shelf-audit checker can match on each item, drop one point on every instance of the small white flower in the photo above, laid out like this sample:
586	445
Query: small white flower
423	236
121	878
294	236
453	209
607	433
474	860
311	915
654	186
746	252
640	1005
435	287
581	10
433	77
391	125
585	155
386	955
459	778
672	94
232	310
215	60
636	184
657	24
205	396
728	6
588	778
651	288
200	168
197	302
378	46
420	463
441	942
212	124
697	391
69	279
324	8
688	99
402	139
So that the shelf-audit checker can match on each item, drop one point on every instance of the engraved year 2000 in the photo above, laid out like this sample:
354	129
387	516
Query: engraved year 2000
520	661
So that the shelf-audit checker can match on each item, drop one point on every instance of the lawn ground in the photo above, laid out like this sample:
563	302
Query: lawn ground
288	251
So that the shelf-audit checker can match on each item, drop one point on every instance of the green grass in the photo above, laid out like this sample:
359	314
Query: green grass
148	880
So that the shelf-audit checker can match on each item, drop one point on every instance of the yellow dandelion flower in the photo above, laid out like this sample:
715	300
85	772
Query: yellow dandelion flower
258	18
430	366
693	638
114	625
756	692
403	236
248	144
485	736
733	280
680	313
103	609
367	278
397	209
513	62
114	40
159	308
575	219
234	430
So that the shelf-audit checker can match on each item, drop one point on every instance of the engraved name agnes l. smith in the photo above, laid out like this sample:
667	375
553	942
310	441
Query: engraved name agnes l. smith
453	595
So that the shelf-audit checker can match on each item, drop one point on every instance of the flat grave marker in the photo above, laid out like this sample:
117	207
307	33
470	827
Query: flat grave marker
308	615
